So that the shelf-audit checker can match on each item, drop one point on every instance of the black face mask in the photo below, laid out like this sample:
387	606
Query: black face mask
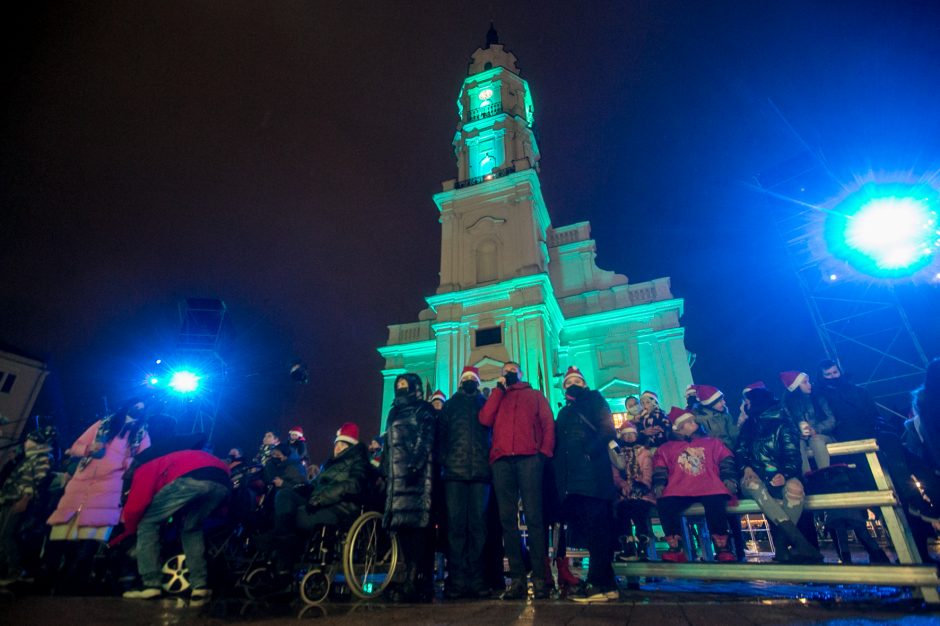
469	387
511	378
574	392
402	392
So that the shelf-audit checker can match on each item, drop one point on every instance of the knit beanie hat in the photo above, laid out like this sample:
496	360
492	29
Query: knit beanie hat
573	372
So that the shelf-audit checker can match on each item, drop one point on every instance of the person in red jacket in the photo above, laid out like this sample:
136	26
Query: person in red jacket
187	483
523	437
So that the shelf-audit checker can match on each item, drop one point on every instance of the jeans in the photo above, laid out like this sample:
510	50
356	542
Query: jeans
817	444
194	500
515	477
466	533
792	506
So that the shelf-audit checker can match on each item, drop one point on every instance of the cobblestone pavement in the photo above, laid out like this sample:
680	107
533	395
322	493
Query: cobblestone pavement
655	608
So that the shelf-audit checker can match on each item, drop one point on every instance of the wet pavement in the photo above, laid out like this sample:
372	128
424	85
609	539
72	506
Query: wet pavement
722	605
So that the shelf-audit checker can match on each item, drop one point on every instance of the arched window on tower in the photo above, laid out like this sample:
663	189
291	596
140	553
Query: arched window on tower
487	261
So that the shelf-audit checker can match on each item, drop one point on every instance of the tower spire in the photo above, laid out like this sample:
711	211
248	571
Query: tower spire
492	37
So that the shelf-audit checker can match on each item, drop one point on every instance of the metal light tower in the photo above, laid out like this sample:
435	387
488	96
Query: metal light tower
197	348
859	320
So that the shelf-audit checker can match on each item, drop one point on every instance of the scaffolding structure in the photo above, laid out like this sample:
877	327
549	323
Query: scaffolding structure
201	323
860	322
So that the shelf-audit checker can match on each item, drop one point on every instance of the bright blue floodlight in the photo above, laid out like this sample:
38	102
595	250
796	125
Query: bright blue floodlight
184	382
889	232
154	381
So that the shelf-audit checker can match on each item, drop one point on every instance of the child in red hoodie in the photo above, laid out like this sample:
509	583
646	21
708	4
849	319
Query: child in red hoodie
688	469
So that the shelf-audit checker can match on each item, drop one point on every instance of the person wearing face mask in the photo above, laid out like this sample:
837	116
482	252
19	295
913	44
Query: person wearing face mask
408	468
632	404
856	414
651	422
463	445
584	431
523	438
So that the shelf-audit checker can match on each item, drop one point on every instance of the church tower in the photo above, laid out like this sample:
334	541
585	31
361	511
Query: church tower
512	287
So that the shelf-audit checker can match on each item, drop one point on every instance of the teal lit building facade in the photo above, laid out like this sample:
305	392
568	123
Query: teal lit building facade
513	287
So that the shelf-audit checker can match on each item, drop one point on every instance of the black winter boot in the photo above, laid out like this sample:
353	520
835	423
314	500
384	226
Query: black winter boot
801	550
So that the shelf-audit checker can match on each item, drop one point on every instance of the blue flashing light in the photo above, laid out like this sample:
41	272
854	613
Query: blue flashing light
886	231
184	382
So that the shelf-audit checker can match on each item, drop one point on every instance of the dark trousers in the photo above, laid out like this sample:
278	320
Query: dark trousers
466	533
671	508
515	477
633	518
593	520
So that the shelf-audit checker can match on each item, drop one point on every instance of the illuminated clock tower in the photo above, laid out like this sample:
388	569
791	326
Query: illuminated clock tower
512	287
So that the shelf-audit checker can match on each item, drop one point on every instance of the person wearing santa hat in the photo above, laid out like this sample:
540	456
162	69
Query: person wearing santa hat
523	440
584	431
651	422
463	445
693	468
437	400
336	496
812	415
633	478
768	453
408	468
711	413
299	444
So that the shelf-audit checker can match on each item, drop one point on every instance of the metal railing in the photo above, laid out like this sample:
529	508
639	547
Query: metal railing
476	180
486	111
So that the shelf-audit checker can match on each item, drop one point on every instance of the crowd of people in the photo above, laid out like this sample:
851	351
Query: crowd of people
466	476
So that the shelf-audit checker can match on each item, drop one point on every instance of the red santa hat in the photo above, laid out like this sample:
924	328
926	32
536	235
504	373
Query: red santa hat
573	372
691	391
792	379
755	385
707	394
438	395
627	427
349	433
677	416
650	394
470	372
298	430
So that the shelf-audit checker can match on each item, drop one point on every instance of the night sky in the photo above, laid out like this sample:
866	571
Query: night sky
281	156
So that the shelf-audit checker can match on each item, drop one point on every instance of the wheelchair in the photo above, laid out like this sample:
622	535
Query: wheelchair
362	559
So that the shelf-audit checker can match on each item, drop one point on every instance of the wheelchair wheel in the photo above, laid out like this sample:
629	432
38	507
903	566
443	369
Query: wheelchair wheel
370	555
259	583
175	574
315	586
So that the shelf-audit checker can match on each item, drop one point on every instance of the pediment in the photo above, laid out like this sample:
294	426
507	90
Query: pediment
484	224
619	388
490	368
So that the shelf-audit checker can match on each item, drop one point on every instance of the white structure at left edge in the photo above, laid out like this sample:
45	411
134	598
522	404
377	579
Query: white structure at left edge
513	287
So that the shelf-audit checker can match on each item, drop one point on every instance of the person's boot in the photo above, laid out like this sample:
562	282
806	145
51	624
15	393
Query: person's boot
406	592
643	547
628	549
518	590
541	587
675	553
801	550
566	579
723	553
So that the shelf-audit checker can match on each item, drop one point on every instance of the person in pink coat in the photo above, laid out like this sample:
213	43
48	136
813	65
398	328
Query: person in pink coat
91	504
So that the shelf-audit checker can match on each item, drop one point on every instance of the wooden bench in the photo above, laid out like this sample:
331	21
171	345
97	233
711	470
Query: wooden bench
909	572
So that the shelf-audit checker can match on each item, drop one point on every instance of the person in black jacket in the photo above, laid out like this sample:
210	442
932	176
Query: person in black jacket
464	453
768	454
583	476
408	468
336	496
